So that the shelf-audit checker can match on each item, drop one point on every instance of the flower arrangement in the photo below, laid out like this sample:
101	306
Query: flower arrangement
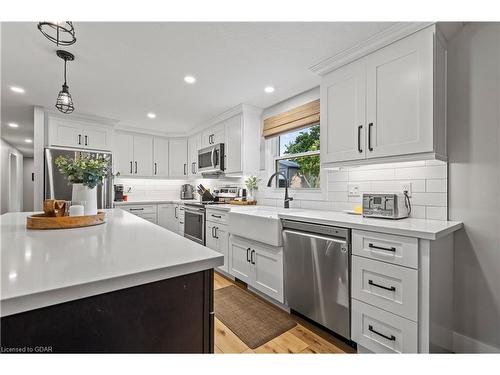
252	183
84	169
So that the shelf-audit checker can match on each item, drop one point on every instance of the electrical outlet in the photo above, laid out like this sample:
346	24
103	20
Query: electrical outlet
354	190
406	186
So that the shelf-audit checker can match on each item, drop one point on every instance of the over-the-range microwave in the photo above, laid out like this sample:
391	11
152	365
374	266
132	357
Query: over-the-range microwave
211	159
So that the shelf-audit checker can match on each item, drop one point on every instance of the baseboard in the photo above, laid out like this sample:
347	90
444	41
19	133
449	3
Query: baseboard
465	344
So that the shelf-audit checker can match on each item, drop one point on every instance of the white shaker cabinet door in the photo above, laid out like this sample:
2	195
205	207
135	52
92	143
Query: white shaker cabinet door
268	271
143	155
124	154
160	157
65	133
239	264
343	114
399	97
97	138
233	144
194	144
177	158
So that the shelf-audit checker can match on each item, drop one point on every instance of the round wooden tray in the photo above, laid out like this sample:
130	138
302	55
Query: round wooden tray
40	221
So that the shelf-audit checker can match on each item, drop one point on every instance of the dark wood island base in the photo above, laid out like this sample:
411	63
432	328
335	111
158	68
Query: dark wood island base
168	316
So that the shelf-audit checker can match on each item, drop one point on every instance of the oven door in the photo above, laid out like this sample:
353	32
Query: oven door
211	159
194	224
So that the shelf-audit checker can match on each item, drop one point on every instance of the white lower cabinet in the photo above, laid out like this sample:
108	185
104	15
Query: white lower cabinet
147	211
258	265
380	331
168	216
217	238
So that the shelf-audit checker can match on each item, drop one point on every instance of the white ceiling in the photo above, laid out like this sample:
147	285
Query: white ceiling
123	70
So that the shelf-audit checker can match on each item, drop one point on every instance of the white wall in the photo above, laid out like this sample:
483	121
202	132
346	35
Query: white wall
5	183
28	184
474	172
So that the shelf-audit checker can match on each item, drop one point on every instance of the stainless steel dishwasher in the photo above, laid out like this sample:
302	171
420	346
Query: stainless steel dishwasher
317	273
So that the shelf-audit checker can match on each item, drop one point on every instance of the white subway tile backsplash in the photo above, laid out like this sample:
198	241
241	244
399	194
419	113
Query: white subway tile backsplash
437	213
315	205
418	212
371	175
341	175
437	186
337	185
430	199
337	196
427	172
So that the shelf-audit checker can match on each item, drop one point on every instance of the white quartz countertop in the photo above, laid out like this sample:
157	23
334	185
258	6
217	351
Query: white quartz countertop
153	201
44	267
420	228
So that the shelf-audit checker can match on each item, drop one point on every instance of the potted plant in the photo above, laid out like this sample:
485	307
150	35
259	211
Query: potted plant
252	184
84	173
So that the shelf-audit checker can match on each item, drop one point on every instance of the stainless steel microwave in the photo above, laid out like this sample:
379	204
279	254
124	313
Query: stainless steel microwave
211	159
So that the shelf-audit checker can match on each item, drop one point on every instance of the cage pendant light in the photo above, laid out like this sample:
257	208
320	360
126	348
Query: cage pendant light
64	101
61	33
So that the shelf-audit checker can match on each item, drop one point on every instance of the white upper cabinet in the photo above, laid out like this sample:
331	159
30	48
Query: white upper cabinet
389	105
160	157
343	114
133	154
194	144
123	158
177	158
399	97
143	155
213	135
233	144
78	134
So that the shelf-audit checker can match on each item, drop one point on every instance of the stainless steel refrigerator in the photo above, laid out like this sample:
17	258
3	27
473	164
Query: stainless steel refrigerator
56	186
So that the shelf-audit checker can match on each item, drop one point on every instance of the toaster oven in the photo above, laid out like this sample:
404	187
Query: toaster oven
388	206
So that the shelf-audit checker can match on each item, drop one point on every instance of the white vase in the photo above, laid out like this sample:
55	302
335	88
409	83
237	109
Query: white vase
85	196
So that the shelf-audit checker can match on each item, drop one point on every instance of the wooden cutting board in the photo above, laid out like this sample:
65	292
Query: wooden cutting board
243	203
41	221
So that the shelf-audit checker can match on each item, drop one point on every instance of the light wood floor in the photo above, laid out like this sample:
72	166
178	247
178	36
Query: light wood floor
303	338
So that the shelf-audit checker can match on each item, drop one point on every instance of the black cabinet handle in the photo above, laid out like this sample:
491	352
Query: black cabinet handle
372	246
360	150
217	216
156	168
216	229
131	168
251	257
248	259
213	232
192	168
175	212
79	139
185	165
370	125
135	167
391	338
86	138
137	209
392	288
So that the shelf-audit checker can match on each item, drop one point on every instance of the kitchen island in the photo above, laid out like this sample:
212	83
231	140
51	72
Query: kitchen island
124	286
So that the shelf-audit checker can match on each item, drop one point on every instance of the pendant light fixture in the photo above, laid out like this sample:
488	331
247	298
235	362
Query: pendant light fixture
61	33
64	101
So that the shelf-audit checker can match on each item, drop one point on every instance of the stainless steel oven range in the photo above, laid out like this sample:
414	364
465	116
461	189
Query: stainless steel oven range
194	222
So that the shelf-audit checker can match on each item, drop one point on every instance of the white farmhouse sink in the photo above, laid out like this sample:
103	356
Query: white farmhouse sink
257	223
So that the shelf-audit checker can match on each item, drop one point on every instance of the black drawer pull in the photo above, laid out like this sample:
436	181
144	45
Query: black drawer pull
391	338
217	216
248	258
393	249
251	257
392	288
137	209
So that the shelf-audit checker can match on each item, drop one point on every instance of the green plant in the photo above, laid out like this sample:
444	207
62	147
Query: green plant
252	183
84	169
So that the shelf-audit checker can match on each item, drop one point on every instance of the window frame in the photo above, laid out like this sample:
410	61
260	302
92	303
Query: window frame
277	157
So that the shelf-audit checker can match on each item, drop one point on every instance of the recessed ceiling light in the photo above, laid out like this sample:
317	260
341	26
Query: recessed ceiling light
269	89
189	79
27	140
17	89
13	125
151	115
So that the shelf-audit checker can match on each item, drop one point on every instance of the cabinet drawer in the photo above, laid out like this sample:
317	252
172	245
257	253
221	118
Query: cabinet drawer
217	216
392	288
386	247
148	217
382	332
140	209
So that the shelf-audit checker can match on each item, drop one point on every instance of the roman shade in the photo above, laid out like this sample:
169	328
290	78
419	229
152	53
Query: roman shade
296	118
